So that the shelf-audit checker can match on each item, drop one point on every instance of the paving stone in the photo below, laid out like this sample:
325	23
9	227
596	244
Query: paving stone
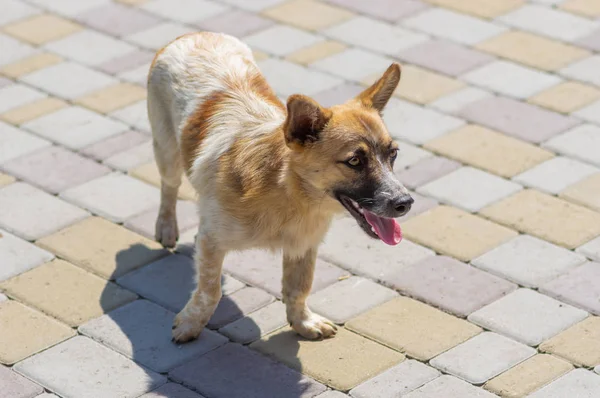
349	298
256	376
308	55
374	35
113	145
353	64
591	41
102	247
66	292
117	19
135	115
126	62
584	192
546	217
520	120
409	155
30	64
453	26
15	10
388	10
41	29
308	14
591	249
256	324
141	331
169	282
54	169
483	190
131	158
580	344
578	383
332	394
556	174
584	70
528	376
528	261
451	387
68	80
281	40
91	369
17	95
237	23
579	143
396	381
35	213
68	8
342	362
185	10
583	7
171	390
444	57
3	297
263	269
5	179
20	332
19	256
16	386
412	327
578	287
160	35
527	316
33	110
149	173
238	304
309	81
99	197
471	360
450	285
589	113
532	50
422	86
488	9
457	100
112	98
511	79
14	50
426	170
144	224
15	143
566	97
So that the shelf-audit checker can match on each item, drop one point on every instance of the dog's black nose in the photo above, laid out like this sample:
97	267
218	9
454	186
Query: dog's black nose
402	204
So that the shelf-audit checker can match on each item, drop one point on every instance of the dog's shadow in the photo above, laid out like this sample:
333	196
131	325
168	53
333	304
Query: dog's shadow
212	366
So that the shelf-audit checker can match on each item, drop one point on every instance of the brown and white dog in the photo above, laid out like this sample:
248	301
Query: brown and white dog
267	175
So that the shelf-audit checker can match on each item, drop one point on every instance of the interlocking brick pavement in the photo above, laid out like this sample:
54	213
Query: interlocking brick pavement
493	292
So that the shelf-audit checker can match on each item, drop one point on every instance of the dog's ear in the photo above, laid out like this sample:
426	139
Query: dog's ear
305	120
378	95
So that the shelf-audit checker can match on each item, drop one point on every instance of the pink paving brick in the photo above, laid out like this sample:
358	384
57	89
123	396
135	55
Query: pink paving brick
579	287
426	170
236	23
126	62
118	20
104	149
389	10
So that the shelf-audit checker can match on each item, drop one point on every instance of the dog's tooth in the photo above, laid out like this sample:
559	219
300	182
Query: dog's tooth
361	211
373	229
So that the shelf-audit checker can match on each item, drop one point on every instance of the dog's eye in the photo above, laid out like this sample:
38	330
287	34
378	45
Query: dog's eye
394	154
354	161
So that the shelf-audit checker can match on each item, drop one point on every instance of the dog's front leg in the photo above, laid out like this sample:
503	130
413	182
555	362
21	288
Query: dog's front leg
195	315
297	281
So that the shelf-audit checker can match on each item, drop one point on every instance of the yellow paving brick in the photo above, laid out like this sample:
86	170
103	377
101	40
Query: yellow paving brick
528	376
480	8
316	52
341	362
112	98
412	327
42	29
546	217
533	50
580	344
104	248
33	110
259	55
585	192
26	332
456	233
5	179
66	292
422	86
587	8
489	150
308	14
566	97
149	173
30	65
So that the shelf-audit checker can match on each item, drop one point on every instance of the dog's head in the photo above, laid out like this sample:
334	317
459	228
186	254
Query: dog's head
347	153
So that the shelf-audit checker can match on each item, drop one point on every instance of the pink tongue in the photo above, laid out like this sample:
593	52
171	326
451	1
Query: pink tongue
387	229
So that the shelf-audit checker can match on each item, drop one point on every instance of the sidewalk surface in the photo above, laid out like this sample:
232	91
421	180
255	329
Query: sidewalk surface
495	290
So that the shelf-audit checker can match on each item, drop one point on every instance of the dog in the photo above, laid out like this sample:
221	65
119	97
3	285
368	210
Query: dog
268	175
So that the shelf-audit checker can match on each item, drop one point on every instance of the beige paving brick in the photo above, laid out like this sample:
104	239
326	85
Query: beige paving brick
308	14
489	150
30	64
528	376
42	29
585	192
566	97
102	247
587	8
317	51
480	8
112	98
342	362
422	86
533	50
5	179
546	217
149	173
580	344
66	292
412	327
456	233
26	332
33	110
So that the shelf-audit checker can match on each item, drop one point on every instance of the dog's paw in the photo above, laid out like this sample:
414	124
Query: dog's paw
186	328
167	232
314	327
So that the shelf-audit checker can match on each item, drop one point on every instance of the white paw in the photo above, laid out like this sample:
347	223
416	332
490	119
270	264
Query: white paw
186	328
167	232
313	326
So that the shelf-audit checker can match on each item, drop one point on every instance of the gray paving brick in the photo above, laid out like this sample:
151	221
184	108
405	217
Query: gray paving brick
256	376
591	41
281	39
426	170
142	331
3	298
185	10
338	94
449	387
144	223
135	115
237	23
69	7
159	35
389	10
19	256
307	81
591	249
409	155
579	142
578	383
16	95
13	50
171	390
81	368
117	19
332	394
353	64
579	287
15	10
16	386
237	304
126	62
132	157
89	47
15	142
256	324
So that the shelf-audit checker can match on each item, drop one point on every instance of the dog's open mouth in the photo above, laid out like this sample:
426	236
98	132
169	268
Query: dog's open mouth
386	229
